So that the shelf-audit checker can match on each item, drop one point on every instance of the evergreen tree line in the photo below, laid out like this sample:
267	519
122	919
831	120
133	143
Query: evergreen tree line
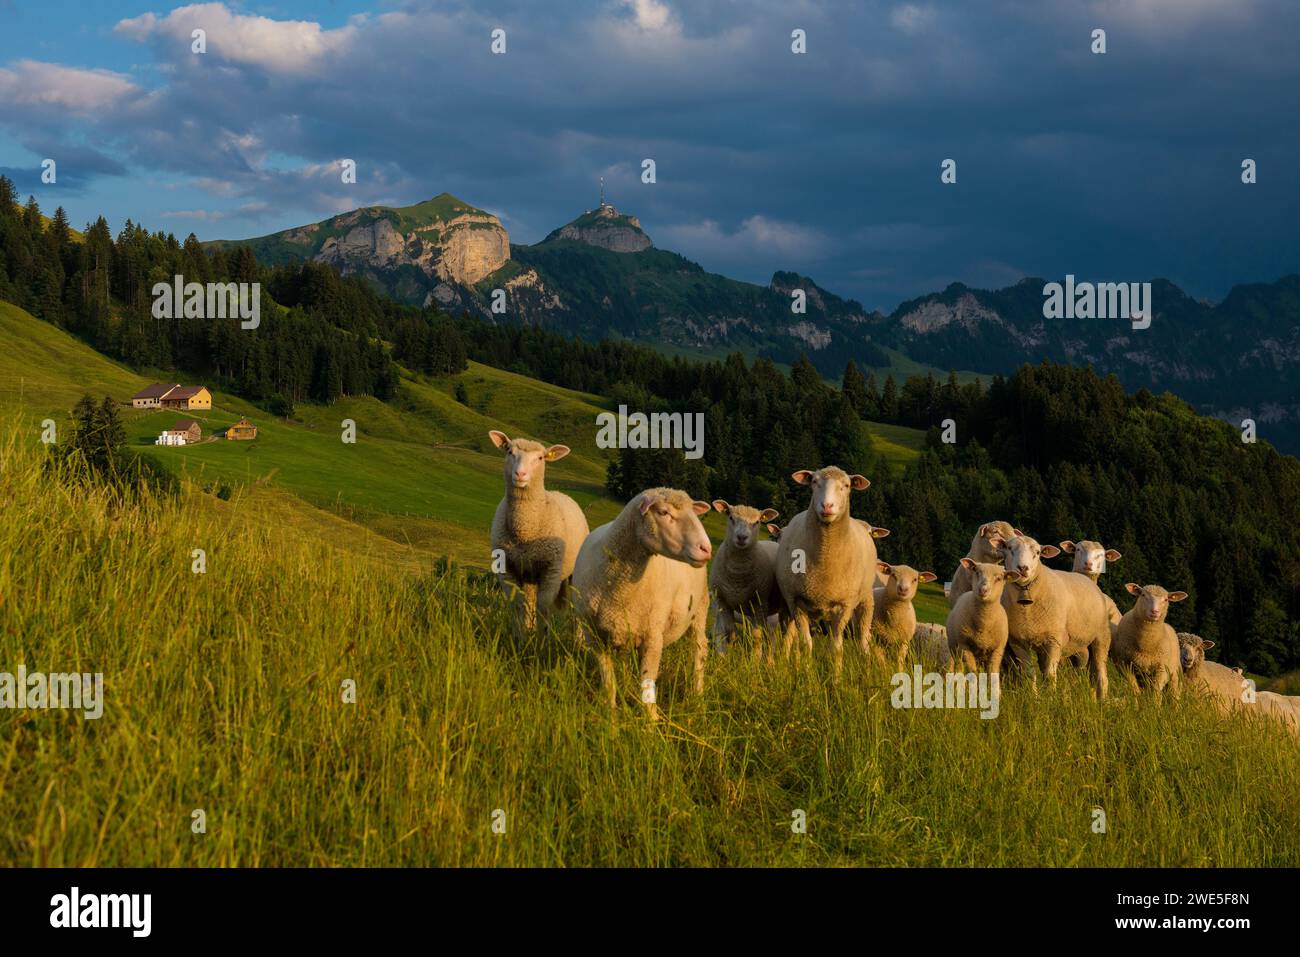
320	335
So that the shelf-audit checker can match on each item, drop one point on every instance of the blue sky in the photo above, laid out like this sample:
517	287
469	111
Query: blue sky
1123	166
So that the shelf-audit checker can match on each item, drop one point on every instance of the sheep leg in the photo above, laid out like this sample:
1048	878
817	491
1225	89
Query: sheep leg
837	630
995	660
724	629
651	651
862	621
1049	657
699	632
1099	652
802	623
528	605
548	591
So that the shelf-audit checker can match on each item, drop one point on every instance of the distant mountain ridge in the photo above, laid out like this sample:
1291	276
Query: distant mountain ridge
600	275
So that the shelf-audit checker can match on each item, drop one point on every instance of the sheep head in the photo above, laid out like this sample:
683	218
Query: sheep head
526	460
902	581
982	547
1191	650
743	522
1090	558
988	579
1152	601
831	488
670	526
1025	556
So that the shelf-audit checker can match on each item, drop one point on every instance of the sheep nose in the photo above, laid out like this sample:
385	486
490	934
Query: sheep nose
1024	569
704	550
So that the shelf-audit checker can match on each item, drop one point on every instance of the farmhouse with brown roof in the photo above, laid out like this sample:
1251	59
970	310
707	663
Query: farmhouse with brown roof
150	397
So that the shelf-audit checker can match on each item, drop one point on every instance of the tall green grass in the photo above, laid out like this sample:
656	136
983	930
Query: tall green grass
223	692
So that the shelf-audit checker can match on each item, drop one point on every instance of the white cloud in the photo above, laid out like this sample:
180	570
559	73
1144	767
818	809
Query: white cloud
33	83
278	46
650	14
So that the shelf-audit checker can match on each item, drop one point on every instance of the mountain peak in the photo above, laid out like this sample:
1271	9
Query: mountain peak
607	228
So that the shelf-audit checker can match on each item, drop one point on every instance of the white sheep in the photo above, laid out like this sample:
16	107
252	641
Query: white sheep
982	550
1090	559
893	618
1145	647
977	625
538	532
742	578
826	563
1052	613
640	582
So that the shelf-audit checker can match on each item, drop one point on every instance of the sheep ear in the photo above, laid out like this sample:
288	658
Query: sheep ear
499	439
802	477
1132	588
557	452
1018	533
883	568
1205	645
859	482
700	507
720	506
983	530
967	564
879	532
768	515
929	577
773	530
1112	555
1050	551
1067	546
1177	595
646	501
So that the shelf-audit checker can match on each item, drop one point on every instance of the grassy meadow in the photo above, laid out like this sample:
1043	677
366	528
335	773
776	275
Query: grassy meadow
224	692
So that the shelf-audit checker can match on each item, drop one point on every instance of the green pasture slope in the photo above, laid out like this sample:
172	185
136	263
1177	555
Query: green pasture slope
223	691
422	472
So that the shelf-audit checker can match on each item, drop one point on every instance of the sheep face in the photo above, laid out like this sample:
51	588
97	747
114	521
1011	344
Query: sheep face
988	580
983	548
1191	650
743	522
671	527
831	487
1152	601
1025	556
1090	557
526	460
902	581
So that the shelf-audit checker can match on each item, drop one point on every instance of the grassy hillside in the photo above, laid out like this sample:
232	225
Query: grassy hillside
223	692
422	472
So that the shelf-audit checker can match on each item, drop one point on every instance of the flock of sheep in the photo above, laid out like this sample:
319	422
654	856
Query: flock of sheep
644	580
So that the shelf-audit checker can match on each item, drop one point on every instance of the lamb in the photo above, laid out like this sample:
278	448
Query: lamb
1145	647
981	550
1090	559
1053	613
640	583
1284	709
977	624
893	620
538	532
742	577
826	563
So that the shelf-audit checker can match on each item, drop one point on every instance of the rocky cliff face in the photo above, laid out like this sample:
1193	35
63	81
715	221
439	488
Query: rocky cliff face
461	250
607	228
